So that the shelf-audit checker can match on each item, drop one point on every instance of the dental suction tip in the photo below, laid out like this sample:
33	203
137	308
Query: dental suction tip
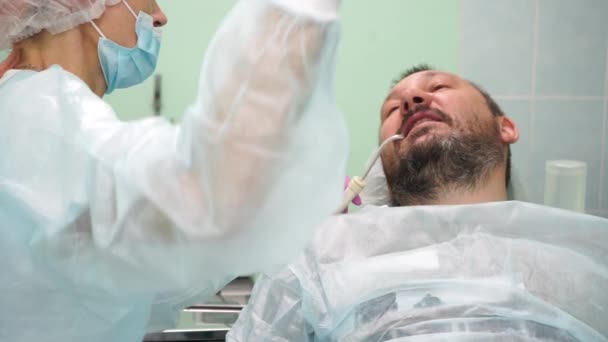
391	139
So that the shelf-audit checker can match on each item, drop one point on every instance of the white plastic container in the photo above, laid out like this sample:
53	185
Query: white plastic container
566	184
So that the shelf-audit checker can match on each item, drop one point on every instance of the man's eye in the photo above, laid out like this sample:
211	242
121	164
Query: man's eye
390	111
439	87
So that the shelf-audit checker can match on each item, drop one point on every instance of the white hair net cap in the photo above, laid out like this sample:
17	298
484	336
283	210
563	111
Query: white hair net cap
20	19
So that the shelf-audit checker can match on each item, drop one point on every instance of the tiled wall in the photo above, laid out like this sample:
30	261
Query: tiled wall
546	62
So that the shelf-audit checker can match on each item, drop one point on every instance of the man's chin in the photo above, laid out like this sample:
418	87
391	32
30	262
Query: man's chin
426	138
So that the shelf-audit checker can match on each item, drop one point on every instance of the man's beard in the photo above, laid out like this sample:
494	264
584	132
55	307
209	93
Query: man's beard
446	163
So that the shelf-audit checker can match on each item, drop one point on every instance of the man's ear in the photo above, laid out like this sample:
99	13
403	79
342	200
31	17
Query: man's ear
508	130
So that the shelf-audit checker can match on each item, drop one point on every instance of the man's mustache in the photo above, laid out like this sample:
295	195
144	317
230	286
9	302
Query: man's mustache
442	115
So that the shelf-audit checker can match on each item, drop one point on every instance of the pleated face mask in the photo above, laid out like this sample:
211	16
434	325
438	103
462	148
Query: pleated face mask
125	67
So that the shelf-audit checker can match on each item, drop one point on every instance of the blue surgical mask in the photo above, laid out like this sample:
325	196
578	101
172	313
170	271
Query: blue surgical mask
125	67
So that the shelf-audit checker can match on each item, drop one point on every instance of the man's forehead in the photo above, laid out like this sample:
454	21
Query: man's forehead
427	75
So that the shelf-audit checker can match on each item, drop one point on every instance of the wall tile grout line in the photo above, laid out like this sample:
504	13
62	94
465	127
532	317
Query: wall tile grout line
604	154
550	97
460	62
533	81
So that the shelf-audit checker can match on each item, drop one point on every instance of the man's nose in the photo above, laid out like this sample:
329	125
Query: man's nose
413	99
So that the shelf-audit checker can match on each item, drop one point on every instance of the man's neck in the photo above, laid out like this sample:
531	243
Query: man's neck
492	189
467	196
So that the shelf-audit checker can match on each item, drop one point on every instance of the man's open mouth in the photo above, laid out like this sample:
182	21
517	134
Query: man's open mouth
418	118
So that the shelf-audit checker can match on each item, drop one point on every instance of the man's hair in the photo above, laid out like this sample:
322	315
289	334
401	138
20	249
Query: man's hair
492	105
413	70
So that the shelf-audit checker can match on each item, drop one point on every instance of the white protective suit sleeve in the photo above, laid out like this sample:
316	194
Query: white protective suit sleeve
149	208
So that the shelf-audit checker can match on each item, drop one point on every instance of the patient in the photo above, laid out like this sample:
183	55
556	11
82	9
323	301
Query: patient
451	258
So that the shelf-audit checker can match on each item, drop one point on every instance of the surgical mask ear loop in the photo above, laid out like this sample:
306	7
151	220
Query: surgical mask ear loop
357	184
99	30
130	9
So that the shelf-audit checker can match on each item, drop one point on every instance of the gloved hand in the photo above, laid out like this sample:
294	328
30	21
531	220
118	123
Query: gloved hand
356	201
319	9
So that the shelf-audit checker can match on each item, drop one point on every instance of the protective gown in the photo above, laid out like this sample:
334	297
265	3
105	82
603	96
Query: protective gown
110	227
504	271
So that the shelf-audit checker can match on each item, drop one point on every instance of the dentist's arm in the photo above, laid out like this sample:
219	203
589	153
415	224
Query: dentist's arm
256	164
